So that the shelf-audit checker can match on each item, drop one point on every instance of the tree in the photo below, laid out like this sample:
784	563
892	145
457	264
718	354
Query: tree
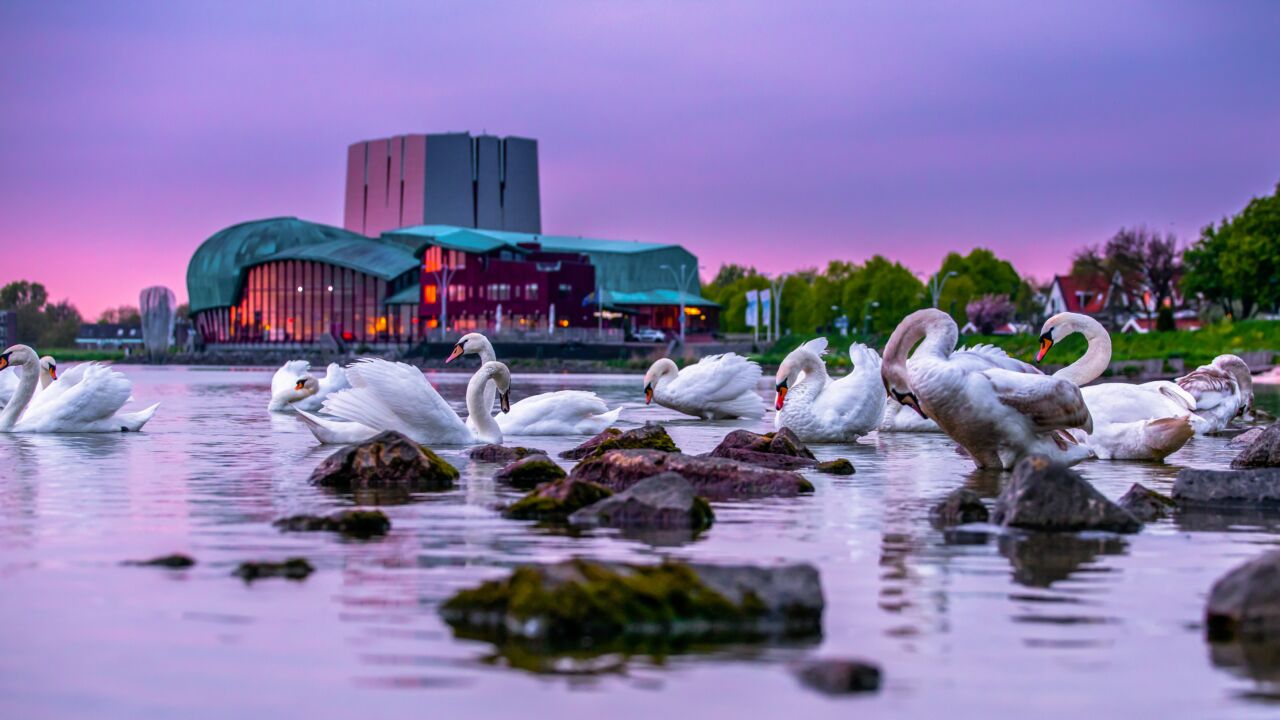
976	274
884	290
123	315
1144	263
40	323
62	323
1237	262
989	312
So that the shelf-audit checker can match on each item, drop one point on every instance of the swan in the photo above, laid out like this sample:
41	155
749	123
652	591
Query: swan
9	381
89	402
819	409
1222	390
997	414
388	395
563	412
1130	422
715	387
293	387
900	418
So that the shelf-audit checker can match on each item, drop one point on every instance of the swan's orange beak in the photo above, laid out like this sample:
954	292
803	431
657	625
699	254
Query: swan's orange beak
1046	342
4	361
457	353
299	385
648	394
782	396
53	373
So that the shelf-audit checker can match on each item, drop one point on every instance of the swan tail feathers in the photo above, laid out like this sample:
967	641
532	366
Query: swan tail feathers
133	422
864	358
1166	436
817	346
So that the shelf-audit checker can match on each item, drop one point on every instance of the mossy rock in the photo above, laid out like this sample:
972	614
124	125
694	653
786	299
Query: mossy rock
502	455
557	500
712	477
650	437
291	569
663	502
530	472
388	461
352	523
839	466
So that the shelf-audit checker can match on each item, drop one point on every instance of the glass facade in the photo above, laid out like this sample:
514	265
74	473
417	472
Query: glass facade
298	301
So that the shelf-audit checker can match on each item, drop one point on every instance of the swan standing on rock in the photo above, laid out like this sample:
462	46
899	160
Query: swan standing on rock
562	412
819	409
1130	422
1222	390
715	387
90	403
293	387
997	415
394	396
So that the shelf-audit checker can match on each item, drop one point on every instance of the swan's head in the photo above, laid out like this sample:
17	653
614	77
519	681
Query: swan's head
304	388
657	371
501	377
17	355
893	369
806	357
1055	329
49	366
469	344
1239	370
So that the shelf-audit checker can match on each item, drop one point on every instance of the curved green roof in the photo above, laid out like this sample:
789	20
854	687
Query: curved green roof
216	270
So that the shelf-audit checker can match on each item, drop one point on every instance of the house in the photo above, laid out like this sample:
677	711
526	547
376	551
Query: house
109	336
1113	304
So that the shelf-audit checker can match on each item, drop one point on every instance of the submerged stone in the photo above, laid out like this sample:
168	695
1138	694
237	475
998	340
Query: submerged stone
1041	559
1263	452
839	676
781	449
961	507
651	437
1255	488
499	454
663	501
1046	496
176	561
557	500
1146	504
389	460
292	569
352	523
712	478
579	602
1245	603
839	466
530	472
1245	438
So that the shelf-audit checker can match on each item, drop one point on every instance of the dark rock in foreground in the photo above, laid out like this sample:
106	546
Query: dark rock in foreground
530	472
500	454
1245	438
839	466
1245	603
1049	497
579	602
352	523
651	437
1255	488
176	561
292	569
961	507
556	501
1146	504
389	460
712	478
1264	452
663	501
781	450
839	677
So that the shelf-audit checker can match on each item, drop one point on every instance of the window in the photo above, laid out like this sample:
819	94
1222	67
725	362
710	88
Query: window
499	291
565	288
531	291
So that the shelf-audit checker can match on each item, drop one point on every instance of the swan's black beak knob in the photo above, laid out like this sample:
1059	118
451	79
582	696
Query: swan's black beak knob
504	400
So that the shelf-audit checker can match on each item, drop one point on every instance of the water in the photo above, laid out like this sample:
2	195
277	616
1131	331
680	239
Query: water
1093	626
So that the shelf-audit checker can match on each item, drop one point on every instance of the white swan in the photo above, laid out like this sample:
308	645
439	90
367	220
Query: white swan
9	380
717	386
293	387
1222	390
819	409
89	402
900	418
997	415
1130	422
563	412
395	396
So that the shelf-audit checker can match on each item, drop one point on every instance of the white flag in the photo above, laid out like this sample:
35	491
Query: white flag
765	307
752	313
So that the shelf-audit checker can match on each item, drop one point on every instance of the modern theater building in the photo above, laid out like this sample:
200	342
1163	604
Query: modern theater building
440	229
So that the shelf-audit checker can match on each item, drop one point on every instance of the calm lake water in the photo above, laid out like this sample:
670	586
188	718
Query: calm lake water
1085	627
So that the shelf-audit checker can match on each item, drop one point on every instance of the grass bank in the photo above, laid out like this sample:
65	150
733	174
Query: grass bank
63	355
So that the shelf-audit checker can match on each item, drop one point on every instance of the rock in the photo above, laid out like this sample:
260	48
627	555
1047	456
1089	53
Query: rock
712	478
839	677
1255	488
389	460
839	466
781	450
579	602
352	523
500	454
1245	438
1046	496
1263	452
530	472
1146	504
556	501
662	501
176	561
1244	604
961	507
293	569
651	437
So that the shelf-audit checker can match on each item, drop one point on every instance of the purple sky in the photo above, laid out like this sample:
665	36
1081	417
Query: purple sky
780	134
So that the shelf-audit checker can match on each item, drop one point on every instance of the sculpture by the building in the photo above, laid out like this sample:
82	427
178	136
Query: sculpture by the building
158	307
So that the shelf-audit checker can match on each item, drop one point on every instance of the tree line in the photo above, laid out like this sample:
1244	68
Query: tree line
43	323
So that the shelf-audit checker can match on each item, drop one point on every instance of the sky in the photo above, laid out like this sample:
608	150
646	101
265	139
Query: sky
780	135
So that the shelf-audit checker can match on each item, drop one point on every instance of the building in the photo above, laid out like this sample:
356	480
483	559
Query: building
384	280
8	328
1108	300
109	336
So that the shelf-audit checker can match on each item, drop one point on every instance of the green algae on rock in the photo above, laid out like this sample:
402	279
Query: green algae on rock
292	569
389	460
502	455
712	478
352	523
557	500
649	437
530	472
663	501
839	466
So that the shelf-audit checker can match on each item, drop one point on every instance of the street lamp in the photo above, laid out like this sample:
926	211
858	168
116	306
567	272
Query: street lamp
937	282
866	317
682	282
775	286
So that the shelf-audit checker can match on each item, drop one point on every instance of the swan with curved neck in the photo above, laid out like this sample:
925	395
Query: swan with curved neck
90	405
819	409
997	414
1096	358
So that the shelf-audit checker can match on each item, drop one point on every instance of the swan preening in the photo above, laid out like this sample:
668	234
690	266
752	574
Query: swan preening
294	388
819	409
86	399
717	386
1222	390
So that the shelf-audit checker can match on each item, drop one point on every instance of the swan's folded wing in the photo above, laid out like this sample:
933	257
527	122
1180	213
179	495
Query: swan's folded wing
99	395
66	380
716	378
562	410
288	374
979	356
335	379
393	396
1173	392
1209	386
1050	403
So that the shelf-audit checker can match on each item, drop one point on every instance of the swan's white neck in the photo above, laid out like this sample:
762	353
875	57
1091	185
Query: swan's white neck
481	417
22	396
815	371
940	336
1096	359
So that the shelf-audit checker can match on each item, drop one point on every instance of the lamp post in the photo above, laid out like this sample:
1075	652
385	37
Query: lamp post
775	286
682	282
866	317
937	283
